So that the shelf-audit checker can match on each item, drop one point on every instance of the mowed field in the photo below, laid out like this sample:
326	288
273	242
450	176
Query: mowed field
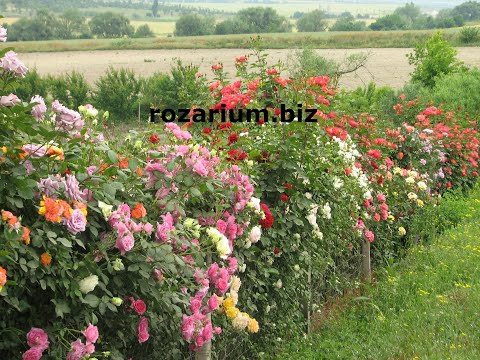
386	66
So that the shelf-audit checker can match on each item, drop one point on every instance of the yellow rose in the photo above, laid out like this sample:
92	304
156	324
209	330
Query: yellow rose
253	326
232	312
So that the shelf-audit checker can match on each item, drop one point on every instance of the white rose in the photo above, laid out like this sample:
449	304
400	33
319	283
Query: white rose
255	234
106	209
422	185
88	284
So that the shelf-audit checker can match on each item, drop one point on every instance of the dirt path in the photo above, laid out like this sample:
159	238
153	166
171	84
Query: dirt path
385	66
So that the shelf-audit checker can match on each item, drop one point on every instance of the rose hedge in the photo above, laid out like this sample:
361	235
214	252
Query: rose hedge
152	244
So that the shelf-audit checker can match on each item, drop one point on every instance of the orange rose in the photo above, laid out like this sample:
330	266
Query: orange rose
139	211
26	235
3	277
45	259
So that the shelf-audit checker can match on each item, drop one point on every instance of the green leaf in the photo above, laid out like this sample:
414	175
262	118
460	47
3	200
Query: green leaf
61	307
92	300
112	156
65	242
195	192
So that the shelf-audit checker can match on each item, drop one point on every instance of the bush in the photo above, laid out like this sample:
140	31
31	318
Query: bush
193	25
118	92
306	63
433	58
469	35
31	85
459	91
179	90
144	31
71	89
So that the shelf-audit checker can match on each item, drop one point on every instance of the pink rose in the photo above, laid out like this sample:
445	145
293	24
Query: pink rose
148	228
89	348
139	306
11	63
218	330
212	271
37	338
91	333
188	327
78	350
213	302
200	169
221	285
3	34
9	100
143	330
39	110
195	304
207	332
34	353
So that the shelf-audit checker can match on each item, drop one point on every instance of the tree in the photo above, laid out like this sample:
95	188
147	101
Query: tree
348	23
43	26
71	24
390	22
263	20
433	58
155	8
469	10
110	25
411	12
144	31
193	25
313	21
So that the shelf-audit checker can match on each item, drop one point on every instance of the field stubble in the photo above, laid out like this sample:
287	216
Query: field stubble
388	66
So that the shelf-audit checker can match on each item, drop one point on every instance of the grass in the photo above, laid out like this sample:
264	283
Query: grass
324	40
159	28
425	307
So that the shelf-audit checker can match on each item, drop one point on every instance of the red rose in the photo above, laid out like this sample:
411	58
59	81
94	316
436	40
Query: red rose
139	306
284	197
207	131
276	251
226	125
154	139
232	138
287	185
268	221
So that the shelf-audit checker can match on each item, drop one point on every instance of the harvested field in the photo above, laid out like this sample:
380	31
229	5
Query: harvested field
387	66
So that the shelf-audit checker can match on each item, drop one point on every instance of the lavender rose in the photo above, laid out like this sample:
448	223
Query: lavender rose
9	100
77	222
10	63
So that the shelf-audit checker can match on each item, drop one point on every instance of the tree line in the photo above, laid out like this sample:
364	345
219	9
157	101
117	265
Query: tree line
267	20
71	24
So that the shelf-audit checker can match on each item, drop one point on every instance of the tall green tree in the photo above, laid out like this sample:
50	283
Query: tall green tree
110	25
194	25
314	21
71	24
155	8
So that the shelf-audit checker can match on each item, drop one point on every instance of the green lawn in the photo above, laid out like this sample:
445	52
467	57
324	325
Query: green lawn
425	307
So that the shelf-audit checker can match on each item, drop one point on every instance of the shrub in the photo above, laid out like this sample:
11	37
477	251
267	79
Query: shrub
459	91
71	89
144	31
469	35
179	90
31	85
306	63
433	58
118	92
